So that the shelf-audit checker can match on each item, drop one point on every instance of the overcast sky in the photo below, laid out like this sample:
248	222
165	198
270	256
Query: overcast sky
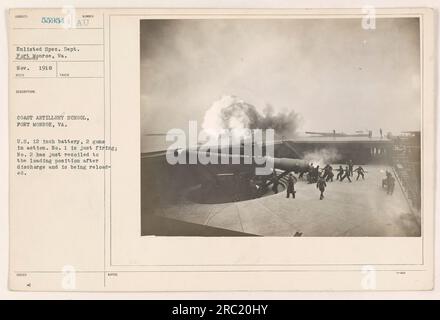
332	72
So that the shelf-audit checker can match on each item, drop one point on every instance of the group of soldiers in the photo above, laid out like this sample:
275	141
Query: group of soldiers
320	177
348	173
291	181
327	173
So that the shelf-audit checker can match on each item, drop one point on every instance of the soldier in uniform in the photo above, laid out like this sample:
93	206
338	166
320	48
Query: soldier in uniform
326	171
386	181
390	184
316	174
346	174
311	173
350	167
340	173
321	184
330	174
291	186
360	171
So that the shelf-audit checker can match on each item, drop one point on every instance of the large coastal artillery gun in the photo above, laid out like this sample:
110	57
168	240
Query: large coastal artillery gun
225	177
231	162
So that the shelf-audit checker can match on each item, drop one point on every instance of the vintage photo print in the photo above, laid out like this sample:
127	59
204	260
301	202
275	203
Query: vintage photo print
283	127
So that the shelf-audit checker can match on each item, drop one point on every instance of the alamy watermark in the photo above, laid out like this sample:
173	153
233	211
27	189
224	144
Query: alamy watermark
369	18
68	280
368	279
229	146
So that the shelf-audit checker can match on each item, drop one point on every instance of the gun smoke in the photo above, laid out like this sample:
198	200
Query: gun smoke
230	112
322	157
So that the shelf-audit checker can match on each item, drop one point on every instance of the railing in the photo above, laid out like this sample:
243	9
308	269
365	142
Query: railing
408	173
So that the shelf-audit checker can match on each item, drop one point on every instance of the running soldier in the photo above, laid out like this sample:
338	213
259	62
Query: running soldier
321	184
330	174
340	173
346	174
360	171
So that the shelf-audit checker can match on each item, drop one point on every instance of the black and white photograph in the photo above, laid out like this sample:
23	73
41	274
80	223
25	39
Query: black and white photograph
282	127
256	152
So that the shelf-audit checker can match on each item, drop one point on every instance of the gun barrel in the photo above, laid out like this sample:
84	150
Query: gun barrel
285	164
288	164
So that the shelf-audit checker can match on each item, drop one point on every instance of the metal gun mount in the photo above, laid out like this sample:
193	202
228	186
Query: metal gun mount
226	159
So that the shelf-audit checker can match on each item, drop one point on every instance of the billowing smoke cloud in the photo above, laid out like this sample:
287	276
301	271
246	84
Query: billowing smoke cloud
230	112
322	157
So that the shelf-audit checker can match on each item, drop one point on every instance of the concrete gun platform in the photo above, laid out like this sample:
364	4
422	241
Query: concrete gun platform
358	209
